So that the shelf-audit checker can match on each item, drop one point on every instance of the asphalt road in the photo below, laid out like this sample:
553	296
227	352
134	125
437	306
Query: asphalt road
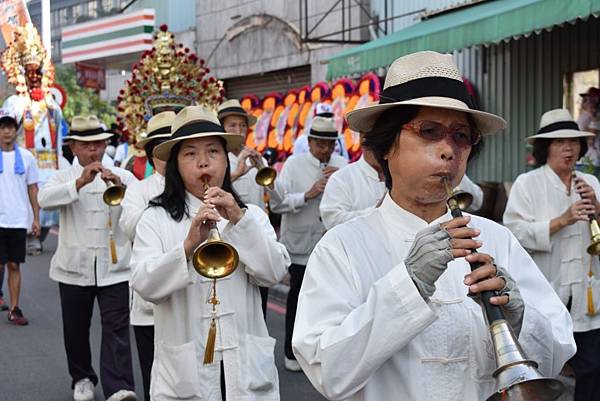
33	365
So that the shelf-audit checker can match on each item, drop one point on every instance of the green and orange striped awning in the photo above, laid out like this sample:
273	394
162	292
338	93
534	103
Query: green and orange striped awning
112	36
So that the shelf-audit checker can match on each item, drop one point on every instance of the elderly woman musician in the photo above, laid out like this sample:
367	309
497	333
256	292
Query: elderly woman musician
549	211
389	308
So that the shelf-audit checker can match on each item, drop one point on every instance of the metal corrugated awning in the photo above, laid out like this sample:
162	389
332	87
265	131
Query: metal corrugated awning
489	22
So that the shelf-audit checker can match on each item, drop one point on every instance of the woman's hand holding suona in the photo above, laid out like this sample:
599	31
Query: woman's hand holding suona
435	246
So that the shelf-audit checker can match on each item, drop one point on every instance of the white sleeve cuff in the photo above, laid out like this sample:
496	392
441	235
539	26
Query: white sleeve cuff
541	233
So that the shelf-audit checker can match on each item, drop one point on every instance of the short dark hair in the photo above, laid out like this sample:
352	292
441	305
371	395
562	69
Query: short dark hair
173	197
542	145
9	120
382	137
149	149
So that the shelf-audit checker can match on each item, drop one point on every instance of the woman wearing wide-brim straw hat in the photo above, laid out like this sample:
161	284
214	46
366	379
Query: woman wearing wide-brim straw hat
383	311
174	225
548	210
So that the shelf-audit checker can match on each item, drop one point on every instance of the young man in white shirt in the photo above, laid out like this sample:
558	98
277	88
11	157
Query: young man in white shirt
18	201
135	202
297	195
86	267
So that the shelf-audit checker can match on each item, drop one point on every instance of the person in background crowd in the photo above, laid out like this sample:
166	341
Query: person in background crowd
136	200
244	162
547	211
388	309
296	195
197	195
122	151
589	121
85	267
18	201
301	144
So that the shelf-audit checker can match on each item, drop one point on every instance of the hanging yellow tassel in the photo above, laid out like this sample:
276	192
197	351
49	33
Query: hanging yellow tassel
591	311
113	251
209	351
113	245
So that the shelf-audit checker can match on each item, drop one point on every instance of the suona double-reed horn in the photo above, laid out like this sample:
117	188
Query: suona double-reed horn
112	196
517	378
214	259
593	249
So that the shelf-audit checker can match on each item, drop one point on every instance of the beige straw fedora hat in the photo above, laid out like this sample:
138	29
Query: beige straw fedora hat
159	126
323	128
195	122
87	129
424	79
233	107
558	123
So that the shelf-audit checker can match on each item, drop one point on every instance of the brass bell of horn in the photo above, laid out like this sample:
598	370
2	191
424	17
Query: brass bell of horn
594	247
265	176
114	194
215	258
517	378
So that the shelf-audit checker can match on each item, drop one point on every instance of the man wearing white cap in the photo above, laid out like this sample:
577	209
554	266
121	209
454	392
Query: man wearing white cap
136	200
390	305
18	201
301	144
83	266
297	195
548	210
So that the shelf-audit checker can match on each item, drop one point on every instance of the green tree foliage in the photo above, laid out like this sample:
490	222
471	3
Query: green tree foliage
82	100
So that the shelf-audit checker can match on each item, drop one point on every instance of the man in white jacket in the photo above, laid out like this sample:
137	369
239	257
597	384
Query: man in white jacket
297	195
134	203
389	308
83	267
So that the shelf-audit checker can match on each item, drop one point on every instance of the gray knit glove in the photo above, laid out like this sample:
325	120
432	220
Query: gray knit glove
428	258
515	308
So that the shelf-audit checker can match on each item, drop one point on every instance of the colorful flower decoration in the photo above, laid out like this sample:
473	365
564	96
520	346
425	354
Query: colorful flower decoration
167	77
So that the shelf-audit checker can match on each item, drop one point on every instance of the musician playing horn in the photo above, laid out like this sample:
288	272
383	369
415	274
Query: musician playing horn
548	211
170	230
297	195
83	265
384	311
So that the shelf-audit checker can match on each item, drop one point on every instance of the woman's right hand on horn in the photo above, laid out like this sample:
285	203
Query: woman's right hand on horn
434	247
578	211
198	232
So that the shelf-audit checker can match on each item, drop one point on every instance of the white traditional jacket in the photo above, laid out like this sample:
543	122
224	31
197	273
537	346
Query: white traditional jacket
301	225
83	254
245	186
162	275
364	333
537	197
475	190
351	191
135	202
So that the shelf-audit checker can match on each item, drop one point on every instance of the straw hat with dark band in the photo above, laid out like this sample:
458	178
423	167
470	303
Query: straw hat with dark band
87	129
558	123
323	128
424	79
159	126
234	108
195	122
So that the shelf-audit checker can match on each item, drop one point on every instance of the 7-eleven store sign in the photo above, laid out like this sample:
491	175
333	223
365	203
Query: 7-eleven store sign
106	37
